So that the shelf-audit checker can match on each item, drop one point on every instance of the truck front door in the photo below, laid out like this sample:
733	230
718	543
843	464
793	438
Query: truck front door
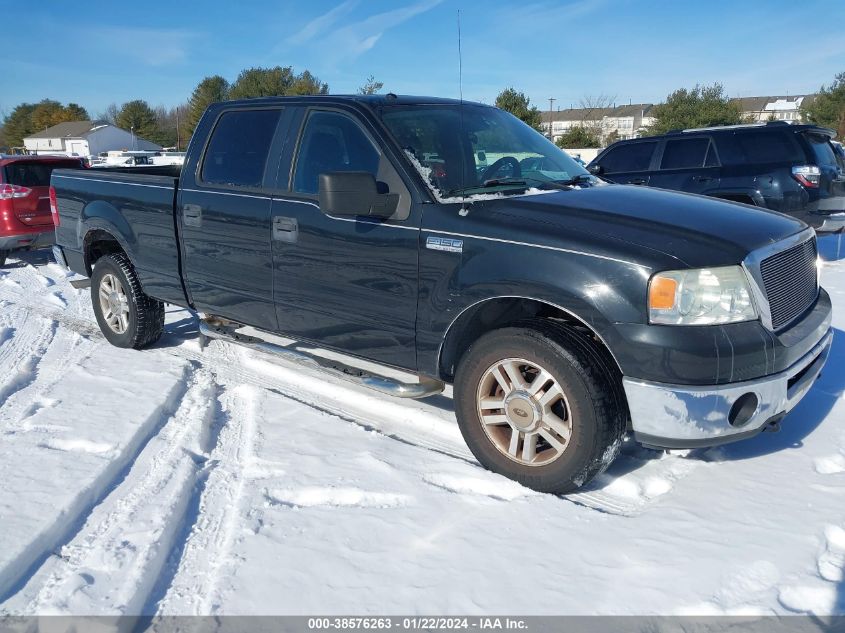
348	283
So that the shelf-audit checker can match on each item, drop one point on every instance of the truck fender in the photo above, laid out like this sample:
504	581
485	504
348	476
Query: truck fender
101	216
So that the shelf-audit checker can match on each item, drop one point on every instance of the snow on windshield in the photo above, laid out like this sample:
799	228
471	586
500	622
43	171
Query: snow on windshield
440	195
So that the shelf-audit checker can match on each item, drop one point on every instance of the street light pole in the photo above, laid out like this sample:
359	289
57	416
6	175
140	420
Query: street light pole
551	134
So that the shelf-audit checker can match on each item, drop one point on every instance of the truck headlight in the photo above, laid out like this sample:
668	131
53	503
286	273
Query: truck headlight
704	296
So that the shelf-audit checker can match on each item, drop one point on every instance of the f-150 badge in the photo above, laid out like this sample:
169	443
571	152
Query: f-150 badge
444	244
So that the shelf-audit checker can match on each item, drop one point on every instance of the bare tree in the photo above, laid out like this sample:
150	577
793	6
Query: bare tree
594	108
371	86
109	115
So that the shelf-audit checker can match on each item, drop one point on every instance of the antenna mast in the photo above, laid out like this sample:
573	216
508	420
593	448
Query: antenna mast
460	61
464	209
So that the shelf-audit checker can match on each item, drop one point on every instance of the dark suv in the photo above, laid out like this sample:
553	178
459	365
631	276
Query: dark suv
788	168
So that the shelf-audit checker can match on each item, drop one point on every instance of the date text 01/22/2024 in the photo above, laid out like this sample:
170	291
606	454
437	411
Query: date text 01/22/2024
417	623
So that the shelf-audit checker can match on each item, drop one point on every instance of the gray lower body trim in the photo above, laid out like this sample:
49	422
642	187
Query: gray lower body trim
27	241
685	416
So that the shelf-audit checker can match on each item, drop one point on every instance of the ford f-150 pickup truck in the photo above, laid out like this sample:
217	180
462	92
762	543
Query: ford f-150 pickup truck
450	240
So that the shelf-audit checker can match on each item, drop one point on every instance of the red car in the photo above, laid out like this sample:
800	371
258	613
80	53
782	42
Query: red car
25	218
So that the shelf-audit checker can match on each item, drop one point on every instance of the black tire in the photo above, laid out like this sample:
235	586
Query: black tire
146	315
593	390
3	256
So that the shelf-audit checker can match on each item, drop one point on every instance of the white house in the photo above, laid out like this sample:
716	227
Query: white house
85	138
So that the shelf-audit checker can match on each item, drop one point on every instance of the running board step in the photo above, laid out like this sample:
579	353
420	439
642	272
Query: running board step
391	386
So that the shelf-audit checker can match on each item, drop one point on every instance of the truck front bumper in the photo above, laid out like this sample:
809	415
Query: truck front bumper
686	416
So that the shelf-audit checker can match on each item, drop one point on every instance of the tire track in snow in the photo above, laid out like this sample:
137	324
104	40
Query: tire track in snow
109	568
66	349
18	572
200	562
23	351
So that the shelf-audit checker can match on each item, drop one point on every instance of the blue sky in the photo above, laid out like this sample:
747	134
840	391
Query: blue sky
96	52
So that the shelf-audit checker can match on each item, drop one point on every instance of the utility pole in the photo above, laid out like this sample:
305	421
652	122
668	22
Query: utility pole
177	129
551	133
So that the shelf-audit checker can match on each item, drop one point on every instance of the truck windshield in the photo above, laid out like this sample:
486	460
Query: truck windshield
472	149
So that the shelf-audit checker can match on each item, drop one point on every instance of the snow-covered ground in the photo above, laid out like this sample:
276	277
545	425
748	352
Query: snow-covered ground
181	481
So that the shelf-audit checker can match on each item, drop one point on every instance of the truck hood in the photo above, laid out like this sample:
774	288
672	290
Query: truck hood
695	230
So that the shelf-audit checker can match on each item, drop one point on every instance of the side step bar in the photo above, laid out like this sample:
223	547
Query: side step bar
213	328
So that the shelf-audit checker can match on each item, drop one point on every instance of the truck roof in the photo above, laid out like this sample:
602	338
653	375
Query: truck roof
370	100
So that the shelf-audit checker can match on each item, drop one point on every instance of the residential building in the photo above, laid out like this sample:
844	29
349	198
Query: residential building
611	124
762	109
85	138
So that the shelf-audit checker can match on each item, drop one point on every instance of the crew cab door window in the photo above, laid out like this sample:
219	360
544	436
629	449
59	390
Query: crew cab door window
236	155
332	142
629	157
685	153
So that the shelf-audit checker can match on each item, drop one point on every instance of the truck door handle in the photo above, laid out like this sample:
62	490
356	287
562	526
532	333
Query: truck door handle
285	229
702	178
637	181
192	215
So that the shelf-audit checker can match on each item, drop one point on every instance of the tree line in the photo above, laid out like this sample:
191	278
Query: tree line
173	126
700	106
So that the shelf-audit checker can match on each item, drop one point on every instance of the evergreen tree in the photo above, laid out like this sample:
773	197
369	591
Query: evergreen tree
520	106
139	118
209	90
702	106
828	107
578	137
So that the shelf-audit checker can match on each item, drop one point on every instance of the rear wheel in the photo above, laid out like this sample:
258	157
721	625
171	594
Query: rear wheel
3	256
538	404
127	317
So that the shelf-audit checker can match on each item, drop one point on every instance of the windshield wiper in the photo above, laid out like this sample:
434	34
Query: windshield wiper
577	179
495	182
515	182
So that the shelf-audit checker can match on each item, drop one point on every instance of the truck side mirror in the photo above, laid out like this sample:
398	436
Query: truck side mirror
353	193
596	170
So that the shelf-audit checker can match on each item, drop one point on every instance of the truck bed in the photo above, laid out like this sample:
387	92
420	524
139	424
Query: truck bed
139	203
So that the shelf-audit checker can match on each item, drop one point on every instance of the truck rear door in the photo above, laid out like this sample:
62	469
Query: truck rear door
224	215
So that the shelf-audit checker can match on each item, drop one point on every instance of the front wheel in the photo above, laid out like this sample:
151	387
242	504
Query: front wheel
127	317
538	404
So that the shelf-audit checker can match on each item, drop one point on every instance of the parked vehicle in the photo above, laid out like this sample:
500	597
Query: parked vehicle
788	168
119	158
25	220
564	311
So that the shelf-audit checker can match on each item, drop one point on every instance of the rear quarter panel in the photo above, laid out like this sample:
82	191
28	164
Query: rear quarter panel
137	210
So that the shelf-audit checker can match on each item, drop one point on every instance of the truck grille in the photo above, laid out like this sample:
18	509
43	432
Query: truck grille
790	281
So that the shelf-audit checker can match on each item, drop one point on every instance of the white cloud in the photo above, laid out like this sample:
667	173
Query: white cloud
322	22
348	41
